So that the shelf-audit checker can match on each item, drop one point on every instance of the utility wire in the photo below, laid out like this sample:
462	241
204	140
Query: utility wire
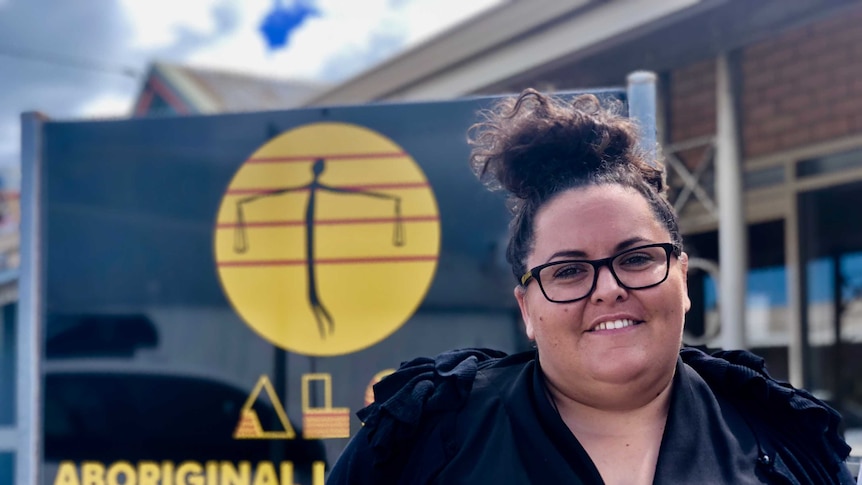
69	62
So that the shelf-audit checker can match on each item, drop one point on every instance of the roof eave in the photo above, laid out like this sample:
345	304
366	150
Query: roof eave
504	43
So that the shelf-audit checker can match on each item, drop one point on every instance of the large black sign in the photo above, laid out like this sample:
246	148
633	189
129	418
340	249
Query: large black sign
222	290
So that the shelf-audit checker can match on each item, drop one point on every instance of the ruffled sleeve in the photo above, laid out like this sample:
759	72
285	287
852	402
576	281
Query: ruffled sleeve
804	429
420	387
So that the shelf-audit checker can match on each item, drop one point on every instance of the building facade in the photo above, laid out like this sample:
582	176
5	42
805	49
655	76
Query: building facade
759	104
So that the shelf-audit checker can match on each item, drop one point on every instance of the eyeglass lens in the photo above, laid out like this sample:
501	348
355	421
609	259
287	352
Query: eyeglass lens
637	268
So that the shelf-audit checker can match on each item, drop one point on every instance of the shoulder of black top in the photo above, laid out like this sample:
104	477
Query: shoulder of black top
794	414
420	388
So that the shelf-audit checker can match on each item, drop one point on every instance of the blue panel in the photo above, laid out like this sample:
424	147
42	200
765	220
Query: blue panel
7	467
7	366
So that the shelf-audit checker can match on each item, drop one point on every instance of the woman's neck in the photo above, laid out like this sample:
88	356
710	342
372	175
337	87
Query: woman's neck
616	413
622	441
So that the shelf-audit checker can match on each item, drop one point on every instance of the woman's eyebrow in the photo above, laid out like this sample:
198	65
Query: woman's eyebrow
577	254
629	243
569	253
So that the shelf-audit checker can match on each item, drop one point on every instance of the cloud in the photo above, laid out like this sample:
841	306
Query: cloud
158	24
346	38
83	49
343	26
70	58
9	143
399	24
105	105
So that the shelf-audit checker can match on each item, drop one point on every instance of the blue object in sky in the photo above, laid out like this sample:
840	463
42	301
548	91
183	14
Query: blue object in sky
281	21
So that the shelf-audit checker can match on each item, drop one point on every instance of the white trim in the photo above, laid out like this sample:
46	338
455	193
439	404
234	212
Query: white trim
774	202
518	42
825	181
815	150
761	205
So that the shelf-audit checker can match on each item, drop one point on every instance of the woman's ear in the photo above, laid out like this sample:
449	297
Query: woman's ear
683	265
521	296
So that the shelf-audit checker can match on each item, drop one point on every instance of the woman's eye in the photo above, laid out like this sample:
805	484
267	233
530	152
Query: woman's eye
637	259
571	271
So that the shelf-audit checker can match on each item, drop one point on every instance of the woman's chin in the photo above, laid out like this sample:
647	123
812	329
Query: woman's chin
622	368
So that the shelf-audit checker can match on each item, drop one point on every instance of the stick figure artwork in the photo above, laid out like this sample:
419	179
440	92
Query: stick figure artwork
309	240
325	321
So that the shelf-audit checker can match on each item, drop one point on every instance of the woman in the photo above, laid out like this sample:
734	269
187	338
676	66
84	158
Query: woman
608	396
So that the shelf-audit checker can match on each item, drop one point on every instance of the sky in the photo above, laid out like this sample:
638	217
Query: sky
86	58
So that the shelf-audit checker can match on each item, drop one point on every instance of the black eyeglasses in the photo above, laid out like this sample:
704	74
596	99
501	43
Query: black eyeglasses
572	280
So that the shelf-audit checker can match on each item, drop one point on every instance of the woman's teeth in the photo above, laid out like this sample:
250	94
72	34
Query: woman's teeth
612	325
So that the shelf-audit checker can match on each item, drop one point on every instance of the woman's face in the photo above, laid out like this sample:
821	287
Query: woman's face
592	223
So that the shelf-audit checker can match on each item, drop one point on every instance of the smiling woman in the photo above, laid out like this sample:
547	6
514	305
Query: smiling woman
609	395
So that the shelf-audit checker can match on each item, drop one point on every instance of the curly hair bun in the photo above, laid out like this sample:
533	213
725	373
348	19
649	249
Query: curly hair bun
534	145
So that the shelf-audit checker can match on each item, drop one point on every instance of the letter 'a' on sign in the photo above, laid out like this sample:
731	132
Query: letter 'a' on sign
327	239
249	426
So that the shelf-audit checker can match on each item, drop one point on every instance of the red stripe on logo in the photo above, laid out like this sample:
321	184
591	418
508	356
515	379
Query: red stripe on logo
298	262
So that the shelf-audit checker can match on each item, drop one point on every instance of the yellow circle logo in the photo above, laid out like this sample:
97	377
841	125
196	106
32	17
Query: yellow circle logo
327	239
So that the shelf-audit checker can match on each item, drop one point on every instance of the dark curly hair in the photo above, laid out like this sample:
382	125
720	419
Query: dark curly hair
535	146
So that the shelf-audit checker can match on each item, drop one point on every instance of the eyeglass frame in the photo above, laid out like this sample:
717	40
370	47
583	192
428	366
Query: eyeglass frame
597	264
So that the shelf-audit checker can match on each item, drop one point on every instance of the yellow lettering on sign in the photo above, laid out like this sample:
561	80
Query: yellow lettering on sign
287	473
167	473
231	476
189	473
317	469
92	473
264	474
125	469
67	474
148	473
212	473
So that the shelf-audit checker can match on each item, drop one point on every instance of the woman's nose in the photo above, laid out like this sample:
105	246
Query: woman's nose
607	287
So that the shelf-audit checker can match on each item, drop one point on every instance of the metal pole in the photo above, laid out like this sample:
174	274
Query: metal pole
795	295
641	94
29	321
732	244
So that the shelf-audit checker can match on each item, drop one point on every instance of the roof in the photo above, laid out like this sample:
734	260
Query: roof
508	41
199	90
571	44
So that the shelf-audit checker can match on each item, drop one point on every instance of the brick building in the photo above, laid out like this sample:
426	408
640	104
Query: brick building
769	92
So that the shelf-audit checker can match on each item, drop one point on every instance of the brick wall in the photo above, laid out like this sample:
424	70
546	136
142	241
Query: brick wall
692	101
691	111
799	87
803	86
